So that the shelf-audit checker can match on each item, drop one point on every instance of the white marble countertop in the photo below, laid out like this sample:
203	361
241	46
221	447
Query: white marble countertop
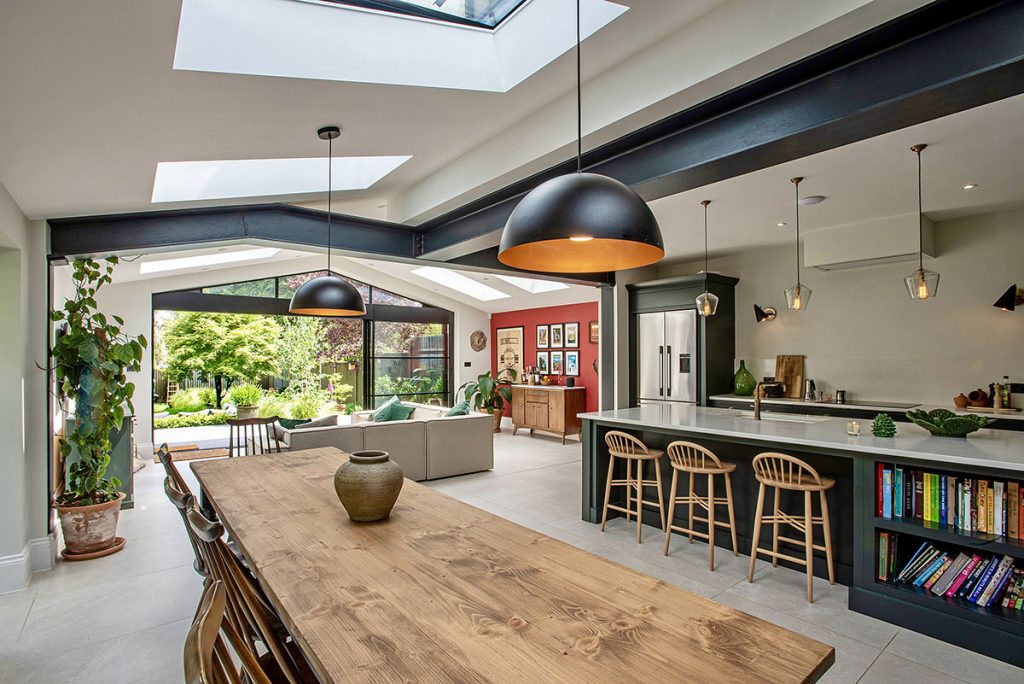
1002	449
866	406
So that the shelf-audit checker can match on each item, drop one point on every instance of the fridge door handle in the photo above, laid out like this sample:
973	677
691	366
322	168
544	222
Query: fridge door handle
669	374
660	371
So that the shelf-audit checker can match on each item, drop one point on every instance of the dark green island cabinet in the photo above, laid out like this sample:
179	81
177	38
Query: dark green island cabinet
859	521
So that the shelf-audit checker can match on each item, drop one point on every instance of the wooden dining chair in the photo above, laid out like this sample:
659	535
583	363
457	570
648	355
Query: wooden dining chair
253	436
183	501
166	458
626	447
208	659
248	613
785	472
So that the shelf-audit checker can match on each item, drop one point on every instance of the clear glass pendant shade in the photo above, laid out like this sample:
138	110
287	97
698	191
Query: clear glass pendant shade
797	297
707	304
922	284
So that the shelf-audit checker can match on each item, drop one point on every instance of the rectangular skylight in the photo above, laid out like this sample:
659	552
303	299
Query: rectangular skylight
468	12
459	283
185	181
217	258
533	286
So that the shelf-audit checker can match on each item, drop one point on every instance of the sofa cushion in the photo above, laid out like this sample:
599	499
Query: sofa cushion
460	409
390	410
404	441
459	445
326	421
348	438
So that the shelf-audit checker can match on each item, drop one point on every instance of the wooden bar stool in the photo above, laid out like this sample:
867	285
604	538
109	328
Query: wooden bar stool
694	459
633	451
783	471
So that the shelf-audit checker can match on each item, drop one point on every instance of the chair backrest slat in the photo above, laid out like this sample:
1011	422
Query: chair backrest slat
183	500
207	658
624	444
258	432
783	470
693	457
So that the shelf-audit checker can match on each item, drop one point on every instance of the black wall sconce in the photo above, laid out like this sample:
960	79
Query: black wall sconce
1011	299
766	313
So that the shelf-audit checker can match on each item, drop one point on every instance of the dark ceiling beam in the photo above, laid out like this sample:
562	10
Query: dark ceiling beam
944	58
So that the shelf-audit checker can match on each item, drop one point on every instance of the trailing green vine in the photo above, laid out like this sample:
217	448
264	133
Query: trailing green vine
92	359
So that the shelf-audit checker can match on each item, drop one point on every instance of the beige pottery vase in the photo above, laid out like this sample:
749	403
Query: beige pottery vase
88	529
368	485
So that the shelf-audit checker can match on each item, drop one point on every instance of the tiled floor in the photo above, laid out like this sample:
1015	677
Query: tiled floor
124	618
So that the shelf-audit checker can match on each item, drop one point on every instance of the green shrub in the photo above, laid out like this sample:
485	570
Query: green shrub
352	408
245	394
160	408
208	396
188	401
273	405
307	405
197	420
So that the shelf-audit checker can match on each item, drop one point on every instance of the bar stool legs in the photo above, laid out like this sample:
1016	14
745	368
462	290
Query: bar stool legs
626	447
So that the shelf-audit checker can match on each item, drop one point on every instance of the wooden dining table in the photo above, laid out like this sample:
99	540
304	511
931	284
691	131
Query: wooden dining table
445	592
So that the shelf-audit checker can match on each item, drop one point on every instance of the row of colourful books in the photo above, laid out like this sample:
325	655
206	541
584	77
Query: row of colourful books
985	580
966	504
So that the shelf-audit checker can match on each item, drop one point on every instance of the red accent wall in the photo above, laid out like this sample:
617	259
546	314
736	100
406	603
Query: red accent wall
569	313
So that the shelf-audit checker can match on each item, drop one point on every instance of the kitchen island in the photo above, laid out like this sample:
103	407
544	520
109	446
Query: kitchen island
853	462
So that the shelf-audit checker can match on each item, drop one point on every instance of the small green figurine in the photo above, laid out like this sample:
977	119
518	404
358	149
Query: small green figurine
884	426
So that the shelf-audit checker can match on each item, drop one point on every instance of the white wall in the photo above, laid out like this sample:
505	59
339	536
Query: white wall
24	541
862	333
132	300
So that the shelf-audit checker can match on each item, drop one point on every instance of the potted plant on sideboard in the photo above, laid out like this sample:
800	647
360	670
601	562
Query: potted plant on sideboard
91	361
489	394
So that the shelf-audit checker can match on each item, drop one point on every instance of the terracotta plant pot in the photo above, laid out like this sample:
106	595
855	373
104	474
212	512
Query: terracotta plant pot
497	421
244	412
90	529
368	485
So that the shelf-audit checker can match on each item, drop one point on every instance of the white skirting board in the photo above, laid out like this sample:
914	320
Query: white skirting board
17	568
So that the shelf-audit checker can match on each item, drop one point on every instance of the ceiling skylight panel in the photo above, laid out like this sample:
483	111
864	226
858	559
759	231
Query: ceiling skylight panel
177	264
459	283
533	285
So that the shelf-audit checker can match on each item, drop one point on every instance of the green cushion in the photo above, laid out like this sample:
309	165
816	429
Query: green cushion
292	423
460	409
392	409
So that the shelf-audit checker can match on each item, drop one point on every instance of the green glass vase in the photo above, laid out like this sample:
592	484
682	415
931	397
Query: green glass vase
744	383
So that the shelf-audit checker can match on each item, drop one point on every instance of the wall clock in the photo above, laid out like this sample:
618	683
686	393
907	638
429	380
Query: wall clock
477	340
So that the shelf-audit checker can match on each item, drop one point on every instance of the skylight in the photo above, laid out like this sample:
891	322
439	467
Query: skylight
161	265
338	41
202	180
481	13
533	286
459	283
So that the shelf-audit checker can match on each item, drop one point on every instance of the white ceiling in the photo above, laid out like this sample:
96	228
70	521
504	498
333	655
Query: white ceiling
866	180
91	102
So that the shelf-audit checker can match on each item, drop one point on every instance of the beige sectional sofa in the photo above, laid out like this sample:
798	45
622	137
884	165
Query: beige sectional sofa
428	445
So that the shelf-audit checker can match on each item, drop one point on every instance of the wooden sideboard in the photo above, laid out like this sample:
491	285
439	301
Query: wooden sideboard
549	408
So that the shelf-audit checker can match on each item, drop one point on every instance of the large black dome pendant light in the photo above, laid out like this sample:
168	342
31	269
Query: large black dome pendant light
921	284
330	294
581	222
707	303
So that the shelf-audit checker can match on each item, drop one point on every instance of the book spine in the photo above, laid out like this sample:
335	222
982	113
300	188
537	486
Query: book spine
979	570
951	500
930	570
960	505
926	560
982	506
943	501
936	498
897	492
964	574
879	469
887	494
979	587
997	505
908	494
913	561
883	555
1000	586
926	484
972	506
918	495
939	572
1012	510
995	584
990	500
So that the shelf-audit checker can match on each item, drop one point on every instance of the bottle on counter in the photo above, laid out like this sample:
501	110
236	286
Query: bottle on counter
997	396
1006	391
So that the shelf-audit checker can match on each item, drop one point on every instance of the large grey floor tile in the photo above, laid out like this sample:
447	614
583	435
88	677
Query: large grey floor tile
890	669
952	660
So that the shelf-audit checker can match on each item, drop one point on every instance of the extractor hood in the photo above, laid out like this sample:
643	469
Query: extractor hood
869	243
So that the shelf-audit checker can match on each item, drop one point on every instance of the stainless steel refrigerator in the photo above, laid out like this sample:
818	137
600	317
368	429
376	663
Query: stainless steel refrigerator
667	357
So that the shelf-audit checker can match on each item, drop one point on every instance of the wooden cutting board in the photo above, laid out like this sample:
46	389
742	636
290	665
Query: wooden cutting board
789	370
986	409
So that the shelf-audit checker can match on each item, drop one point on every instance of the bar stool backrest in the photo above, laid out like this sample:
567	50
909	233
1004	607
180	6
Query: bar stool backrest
624	444
785	471
692	457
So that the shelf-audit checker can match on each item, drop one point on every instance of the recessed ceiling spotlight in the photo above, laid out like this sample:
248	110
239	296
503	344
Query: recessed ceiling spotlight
970	186
811	200
780	224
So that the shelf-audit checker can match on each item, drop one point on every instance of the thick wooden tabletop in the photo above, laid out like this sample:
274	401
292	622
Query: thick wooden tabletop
445	592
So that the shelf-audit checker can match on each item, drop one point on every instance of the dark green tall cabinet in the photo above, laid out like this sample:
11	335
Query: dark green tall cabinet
716	335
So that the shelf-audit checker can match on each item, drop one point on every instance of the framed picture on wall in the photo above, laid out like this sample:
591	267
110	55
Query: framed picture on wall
594	332
572	335
556	363
542	337
572	362
508	343
542	363
557	332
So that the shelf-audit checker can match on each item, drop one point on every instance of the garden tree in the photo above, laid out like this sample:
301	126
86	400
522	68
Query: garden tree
222	346
343	341
299	350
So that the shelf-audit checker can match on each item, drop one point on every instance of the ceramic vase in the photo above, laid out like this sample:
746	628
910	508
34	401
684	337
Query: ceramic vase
744	381
368	485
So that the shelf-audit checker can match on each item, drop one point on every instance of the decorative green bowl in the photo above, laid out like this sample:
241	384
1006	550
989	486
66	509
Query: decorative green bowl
944	423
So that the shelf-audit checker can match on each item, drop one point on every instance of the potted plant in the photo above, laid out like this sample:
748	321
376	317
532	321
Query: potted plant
490	394
246	397
91	361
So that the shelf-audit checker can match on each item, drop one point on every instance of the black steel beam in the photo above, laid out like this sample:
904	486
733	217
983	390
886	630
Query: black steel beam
944	58
282	223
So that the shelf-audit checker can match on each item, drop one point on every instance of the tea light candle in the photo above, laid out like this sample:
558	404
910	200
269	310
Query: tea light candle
853	427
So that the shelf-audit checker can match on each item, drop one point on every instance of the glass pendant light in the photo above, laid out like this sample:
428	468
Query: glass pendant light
921	284
581	222
707	303
330	294
798	295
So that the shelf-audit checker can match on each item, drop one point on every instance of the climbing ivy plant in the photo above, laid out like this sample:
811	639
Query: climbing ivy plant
91	361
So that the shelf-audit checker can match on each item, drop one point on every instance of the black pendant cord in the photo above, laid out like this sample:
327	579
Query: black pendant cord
706	203
330	187
796	185
579	94
920	213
